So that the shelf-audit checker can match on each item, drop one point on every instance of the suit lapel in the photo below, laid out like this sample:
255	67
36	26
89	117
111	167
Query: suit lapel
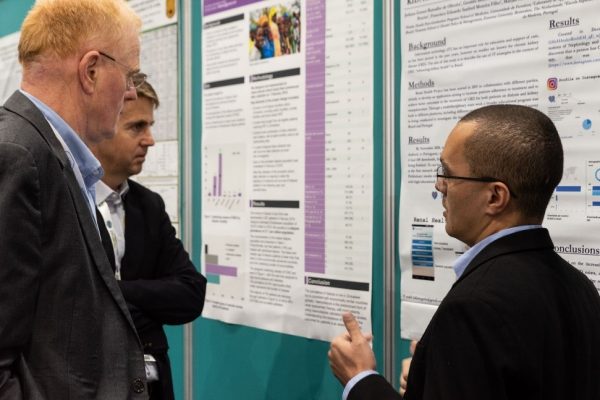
21	105
92	238
106	241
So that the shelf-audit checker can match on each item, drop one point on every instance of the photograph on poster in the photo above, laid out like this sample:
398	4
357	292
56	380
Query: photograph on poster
275	31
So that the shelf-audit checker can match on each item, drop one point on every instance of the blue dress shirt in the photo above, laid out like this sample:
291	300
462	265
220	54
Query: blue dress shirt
86	167
465	259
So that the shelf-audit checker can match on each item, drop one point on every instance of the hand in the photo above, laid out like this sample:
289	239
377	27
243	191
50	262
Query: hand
350	353
406	367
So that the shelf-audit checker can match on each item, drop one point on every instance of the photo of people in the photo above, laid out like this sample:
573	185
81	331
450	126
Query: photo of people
275	31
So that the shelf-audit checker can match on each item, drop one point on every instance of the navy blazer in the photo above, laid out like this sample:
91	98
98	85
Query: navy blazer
65	330
520	323
159	282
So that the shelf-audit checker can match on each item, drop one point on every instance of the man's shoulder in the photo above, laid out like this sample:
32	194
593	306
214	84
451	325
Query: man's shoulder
21	123
10	122
17	132
144	195
139	189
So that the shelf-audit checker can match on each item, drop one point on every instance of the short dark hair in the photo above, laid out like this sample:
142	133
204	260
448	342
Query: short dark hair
147	91
520	146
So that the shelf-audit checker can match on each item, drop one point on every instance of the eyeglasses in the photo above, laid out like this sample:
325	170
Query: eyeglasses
135	79
441	179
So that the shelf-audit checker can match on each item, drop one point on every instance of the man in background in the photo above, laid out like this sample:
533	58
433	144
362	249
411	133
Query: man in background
159	282
520	322
65	330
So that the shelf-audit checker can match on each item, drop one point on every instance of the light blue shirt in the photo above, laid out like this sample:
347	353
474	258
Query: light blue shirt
459	267
358	377
465	259
86	167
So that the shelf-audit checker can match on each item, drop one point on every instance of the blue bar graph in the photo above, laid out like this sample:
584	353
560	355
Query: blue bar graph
422	252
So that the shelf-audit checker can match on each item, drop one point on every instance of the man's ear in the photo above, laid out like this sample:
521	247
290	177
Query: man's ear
88	71
498	197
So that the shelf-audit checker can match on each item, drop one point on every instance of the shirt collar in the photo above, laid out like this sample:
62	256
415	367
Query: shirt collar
465	259
103	191
89	166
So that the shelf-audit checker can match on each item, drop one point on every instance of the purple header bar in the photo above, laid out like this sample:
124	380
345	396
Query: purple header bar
216	6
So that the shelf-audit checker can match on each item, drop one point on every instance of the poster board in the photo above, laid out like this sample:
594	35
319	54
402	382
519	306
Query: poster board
458	56
270	365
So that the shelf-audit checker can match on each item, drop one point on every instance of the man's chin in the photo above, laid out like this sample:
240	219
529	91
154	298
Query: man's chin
135	169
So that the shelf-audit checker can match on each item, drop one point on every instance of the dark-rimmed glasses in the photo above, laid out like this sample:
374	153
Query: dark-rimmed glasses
442	177
135	79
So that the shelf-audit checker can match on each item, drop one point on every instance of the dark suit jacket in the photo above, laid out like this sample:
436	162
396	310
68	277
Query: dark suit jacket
520	323
65	330
159	282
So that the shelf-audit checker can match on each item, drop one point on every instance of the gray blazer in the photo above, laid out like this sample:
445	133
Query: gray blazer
65	331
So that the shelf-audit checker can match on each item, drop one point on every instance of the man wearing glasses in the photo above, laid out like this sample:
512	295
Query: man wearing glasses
65	330
520	322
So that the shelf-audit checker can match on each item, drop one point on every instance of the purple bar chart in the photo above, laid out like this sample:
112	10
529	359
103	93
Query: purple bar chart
224	182
224	258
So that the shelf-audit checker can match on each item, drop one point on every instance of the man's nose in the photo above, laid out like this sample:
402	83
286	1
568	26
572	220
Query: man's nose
148	139
439	186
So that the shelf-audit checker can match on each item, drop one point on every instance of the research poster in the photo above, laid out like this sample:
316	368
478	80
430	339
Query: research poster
460	55
287	163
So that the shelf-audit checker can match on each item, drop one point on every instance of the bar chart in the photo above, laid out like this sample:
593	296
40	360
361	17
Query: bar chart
578	195
593	192
223	260
224	178
422	252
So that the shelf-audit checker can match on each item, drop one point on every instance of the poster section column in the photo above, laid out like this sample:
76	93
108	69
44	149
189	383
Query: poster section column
159	60
10	68
460	55
287	163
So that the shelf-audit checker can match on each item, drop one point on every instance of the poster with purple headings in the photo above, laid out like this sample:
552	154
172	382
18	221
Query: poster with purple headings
287	163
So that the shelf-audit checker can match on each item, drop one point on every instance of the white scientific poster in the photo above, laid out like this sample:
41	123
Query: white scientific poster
10	69
460	55
287	163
